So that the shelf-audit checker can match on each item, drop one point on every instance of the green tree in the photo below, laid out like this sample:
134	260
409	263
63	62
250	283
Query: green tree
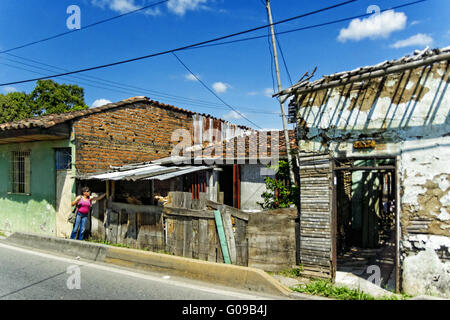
48	97
280	193
14	106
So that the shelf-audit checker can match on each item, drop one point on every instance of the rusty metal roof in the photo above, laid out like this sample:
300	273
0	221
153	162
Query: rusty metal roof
258	144
54	119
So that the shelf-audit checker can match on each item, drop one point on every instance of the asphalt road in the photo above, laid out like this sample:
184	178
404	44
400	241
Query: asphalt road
32	275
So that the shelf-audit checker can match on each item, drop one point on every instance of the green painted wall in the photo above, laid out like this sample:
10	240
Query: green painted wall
35	212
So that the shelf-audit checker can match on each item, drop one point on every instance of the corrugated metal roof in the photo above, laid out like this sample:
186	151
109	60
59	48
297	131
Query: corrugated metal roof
148	172
181	172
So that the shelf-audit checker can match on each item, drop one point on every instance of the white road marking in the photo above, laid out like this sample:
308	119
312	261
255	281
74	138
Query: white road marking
138	275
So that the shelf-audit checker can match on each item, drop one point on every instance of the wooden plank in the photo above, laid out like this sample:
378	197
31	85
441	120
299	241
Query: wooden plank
179	236
187	237
134	208
203	239
241	242
131	239
170	240
205	214
212	241
187	201
234	212
229	234
195	238
113	226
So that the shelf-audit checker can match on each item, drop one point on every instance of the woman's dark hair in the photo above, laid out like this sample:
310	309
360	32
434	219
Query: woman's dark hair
84	189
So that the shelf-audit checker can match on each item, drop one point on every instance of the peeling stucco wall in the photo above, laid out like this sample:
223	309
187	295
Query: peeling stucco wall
36	212
407	114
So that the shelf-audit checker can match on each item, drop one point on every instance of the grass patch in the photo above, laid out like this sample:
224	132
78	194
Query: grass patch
291	272
2	234
327	289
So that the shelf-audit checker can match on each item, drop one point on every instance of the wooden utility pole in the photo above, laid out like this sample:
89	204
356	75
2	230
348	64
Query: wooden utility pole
283	115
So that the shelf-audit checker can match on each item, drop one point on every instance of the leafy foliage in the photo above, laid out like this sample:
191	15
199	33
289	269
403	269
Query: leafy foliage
280	193
48	97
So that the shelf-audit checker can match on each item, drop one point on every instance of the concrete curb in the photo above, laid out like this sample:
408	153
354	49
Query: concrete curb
224	274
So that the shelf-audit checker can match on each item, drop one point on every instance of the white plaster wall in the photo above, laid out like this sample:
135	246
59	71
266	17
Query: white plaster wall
252	186
415	131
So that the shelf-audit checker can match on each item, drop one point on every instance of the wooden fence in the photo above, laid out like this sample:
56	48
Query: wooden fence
192	232
186	227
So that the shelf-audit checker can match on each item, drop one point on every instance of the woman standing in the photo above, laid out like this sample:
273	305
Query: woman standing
83	204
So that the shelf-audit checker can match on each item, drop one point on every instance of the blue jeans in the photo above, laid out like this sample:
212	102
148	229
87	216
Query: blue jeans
80	222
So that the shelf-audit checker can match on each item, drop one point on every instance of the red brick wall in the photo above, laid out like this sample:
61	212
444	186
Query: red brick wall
134	133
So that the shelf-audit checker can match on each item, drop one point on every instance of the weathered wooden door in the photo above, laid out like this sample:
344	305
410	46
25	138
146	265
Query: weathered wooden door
316	251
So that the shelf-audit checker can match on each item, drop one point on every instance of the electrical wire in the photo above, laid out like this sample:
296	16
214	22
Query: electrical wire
307	27
124	91
85	27
182	48
210	90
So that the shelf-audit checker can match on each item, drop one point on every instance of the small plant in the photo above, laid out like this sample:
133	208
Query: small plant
327	289
280	193
2	234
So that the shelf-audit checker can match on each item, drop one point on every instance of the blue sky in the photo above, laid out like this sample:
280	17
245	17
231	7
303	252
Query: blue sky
240	73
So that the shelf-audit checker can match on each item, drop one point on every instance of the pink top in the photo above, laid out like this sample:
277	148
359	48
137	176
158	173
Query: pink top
84	205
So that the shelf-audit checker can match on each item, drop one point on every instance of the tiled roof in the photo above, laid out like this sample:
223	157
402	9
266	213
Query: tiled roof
54	119
248	146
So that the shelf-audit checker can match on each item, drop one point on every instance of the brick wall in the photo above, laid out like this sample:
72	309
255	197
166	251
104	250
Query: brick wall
136	132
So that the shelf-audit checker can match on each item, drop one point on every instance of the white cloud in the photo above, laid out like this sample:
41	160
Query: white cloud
268	92
191	77
9	89
376	26
220	87
100	102
180	7
121	6
419	39
415	22
153	12
233	115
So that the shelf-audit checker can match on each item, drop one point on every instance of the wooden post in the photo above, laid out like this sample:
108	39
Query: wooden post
108	191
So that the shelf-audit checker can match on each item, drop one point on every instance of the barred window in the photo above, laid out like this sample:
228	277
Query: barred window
20	172
63	158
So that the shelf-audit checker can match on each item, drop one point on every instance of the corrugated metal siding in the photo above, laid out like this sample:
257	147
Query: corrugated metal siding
316	214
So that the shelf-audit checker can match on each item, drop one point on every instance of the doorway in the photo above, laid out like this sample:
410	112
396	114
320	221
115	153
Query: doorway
366	219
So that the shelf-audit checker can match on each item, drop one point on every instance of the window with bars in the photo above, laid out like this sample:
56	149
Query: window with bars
20	172
63	158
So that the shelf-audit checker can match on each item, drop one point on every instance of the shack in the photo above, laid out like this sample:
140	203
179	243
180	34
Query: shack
44	160
373	148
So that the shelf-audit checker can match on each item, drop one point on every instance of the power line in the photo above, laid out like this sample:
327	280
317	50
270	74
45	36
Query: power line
284	61
85	27
307	27
210	90
184	47
123	90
